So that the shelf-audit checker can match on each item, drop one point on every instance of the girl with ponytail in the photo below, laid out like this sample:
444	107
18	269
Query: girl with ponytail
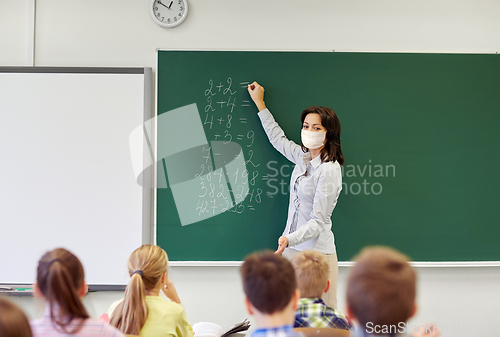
142	311
61	282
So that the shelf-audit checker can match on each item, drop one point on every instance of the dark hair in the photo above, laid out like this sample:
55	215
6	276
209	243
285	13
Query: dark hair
13	321
381	287
329	120
60	277
268	281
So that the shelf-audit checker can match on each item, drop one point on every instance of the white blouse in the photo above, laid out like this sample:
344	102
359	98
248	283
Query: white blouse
315	196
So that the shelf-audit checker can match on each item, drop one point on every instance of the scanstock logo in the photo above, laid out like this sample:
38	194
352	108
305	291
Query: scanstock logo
201	174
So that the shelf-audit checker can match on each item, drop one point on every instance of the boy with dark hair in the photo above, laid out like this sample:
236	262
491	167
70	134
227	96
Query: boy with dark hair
311	271
271	294
381	292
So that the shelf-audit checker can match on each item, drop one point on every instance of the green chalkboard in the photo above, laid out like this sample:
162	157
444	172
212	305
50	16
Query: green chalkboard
420	135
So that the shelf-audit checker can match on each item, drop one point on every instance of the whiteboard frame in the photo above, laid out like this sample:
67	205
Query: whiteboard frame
148	208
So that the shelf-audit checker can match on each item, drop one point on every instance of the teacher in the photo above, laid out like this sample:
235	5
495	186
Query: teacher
315	183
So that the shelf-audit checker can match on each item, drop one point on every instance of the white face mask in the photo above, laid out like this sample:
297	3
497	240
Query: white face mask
313	139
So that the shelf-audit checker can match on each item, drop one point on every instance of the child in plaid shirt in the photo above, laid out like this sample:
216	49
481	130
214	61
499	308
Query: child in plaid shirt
311	270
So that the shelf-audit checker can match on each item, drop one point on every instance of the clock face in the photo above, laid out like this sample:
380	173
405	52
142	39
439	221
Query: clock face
169	13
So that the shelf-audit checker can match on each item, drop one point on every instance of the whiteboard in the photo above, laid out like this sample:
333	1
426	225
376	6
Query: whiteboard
66	177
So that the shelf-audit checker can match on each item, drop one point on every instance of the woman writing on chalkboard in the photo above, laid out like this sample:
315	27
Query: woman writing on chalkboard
315	183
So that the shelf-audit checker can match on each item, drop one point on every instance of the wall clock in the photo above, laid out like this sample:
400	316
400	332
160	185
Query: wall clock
169	13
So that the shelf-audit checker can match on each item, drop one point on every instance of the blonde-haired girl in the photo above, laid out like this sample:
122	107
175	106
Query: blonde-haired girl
61	282
142	311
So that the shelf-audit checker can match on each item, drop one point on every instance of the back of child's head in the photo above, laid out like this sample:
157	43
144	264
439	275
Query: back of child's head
311	270
268	281
60	278
13	321
146	265
381	287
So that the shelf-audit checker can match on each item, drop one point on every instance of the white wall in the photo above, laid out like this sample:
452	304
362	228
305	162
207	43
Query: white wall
14	36
121	33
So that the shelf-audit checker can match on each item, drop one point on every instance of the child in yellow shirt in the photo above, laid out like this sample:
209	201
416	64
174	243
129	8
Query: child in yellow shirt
143	312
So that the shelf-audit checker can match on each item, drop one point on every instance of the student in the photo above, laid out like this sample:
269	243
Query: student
13	321
61	282
381	294
311	271
271	294
142	311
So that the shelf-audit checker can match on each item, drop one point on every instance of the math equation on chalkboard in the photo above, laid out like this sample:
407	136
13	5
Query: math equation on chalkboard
227	179
208	154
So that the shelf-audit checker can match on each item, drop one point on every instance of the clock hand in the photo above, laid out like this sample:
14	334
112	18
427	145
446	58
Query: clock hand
161	3
170	4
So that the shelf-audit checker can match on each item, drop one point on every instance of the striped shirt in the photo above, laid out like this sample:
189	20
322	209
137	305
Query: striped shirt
296	203
314	313
44	327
